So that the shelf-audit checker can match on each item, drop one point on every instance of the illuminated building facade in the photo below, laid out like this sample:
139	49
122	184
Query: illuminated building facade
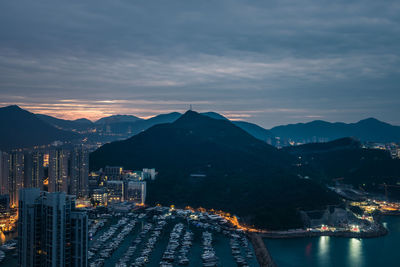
15	176
58	171
115	191
113	172
100	196
4	203
33	169
4	170
79	172
51	232
135	191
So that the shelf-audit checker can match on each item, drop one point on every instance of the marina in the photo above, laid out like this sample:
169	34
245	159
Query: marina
163	237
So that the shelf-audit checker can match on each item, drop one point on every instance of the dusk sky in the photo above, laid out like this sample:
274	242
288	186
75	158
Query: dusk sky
268	62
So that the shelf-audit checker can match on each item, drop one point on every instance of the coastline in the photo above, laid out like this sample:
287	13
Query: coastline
378	232
337	251
382	231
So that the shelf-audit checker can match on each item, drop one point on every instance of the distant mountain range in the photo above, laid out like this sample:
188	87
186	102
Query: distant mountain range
368	130
242	174
20	128
371	130
68	125
119	127
118	119
127	125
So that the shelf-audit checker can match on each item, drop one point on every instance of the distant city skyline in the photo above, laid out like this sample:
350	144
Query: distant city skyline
271	63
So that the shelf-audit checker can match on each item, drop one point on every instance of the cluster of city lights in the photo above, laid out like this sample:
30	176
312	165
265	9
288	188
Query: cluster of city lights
232	219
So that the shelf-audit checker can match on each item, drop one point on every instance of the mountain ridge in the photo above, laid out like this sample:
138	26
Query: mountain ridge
242	174
22	129
367	130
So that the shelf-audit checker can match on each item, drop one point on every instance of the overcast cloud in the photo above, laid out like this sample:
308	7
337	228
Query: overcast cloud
269	62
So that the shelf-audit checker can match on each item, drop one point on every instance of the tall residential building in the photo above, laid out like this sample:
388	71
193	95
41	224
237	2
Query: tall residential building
34	169
79	172
113	172
115	191
51	232
4	170
15	176
99	195
135	191
58	170
4	203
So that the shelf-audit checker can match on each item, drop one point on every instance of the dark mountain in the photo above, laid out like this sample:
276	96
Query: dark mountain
83	121
21	128
118	119
348	160
366	130
71	125
159	119
242	174
126	129
256	131
121	128
251	128
111	129
338	144
214	115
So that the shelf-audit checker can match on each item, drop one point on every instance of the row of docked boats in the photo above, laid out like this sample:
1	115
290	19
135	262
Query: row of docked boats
102	248
208	257
96	226
183	258
117	240
150	245
177	253
237	244
173	243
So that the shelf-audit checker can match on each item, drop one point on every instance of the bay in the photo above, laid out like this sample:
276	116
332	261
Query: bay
336	251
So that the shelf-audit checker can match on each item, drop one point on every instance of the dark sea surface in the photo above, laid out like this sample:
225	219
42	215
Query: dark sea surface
335	251
314	252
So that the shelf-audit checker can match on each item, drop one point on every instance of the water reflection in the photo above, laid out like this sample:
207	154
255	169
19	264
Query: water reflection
342	252
355	252
323	250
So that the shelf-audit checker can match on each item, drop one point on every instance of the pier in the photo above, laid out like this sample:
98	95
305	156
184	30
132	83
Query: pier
262	254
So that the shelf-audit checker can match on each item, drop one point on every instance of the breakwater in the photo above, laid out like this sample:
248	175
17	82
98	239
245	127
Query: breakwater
262	254
380	231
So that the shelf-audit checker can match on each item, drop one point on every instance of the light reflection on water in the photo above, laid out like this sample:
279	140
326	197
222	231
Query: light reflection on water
323	250
355	252
339	251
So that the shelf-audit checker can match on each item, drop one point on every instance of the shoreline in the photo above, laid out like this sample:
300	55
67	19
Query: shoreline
382	231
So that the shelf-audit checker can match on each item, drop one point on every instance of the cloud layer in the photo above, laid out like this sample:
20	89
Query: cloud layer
269	62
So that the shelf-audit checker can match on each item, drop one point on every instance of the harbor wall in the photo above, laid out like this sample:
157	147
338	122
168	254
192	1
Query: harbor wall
262	254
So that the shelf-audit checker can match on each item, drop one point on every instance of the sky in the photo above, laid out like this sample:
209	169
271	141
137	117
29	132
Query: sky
267	62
